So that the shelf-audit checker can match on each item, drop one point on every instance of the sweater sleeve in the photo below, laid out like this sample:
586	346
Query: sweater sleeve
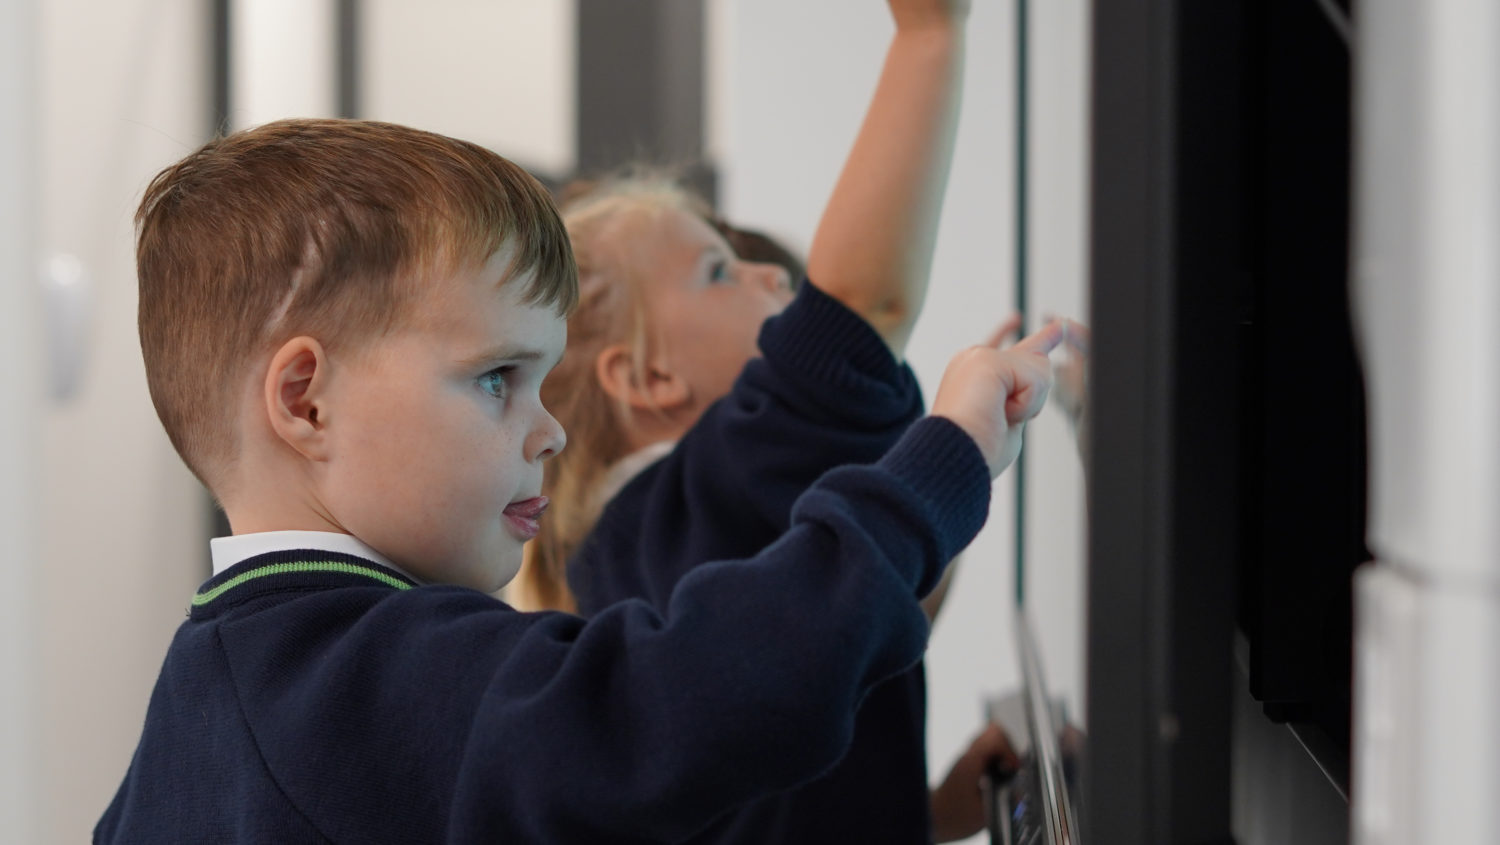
826	392
636	725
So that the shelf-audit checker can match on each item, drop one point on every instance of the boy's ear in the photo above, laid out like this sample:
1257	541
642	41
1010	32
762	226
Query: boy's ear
655	390
294	396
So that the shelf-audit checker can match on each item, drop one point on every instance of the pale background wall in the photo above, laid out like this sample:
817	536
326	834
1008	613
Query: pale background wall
498	72
281	60
122	94
20	394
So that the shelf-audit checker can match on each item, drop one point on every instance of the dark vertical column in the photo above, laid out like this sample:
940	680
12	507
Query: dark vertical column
1130	250
1208	295
219	58
219	42
348	55
1310	523
1168	282
640	85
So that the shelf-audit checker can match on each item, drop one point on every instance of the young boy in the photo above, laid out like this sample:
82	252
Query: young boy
345	327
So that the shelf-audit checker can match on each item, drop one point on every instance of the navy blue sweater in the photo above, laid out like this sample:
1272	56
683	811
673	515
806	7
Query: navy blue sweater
315	697
827	392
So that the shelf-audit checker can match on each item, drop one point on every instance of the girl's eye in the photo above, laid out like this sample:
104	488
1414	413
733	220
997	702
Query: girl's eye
493	382
719	272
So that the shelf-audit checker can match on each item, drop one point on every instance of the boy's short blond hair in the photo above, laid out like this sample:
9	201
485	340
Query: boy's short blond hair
326	228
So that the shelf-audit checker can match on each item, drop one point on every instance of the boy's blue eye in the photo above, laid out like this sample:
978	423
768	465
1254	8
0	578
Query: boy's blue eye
719	272
493	382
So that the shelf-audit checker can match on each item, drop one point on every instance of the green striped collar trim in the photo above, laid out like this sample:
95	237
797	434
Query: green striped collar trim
340	567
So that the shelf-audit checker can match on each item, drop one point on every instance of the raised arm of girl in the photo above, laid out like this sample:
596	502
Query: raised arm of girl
874	243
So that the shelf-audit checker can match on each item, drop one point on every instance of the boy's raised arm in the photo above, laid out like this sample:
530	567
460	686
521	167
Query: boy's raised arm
873	248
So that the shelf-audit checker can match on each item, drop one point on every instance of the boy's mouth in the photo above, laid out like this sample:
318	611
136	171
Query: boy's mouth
524	516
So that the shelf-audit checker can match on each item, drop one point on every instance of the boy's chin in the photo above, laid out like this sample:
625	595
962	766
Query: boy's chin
487	570
497	570
505	573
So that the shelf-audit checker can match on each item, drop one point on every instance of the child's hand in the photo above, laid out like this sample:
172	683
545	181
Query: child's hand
991	393
958	804
1006	332
913	15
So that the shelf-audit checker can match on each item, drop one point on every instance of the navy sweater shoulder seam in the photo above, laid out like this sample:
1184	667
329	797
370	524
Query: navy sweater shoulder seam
260	755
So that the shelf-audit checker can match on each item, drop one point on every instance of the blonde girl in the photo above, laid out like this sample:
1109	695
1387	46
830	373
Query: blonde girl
702	397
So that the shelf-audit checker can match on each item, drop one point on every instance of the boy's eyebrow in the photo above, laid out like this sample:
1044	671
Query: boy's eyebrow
504	353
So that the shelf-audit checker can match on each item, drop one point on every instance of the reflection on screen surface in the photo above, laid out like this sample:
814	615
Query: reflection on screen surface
1052	160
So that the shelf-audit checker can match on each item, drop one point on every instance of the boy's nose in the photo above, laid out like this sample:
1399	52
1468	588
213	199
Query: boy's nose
547	439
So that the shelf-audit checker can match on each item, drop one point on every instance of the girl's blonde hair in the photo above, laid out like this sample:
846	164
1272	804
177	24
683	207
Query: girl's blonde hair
607	223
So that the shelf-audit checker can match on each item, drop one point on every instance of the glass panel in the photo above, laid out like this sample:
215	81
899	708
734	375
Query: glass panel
1052	169
1053	279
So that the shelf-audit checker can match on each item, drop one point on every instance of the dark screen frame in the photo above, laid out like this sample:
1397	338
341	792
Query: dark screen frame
1167	288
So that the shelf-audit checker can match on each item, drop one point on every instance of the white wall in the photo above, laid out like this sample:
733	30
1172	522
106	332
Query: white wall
793	80
122	523
1426	294
20	390
282	60
497	72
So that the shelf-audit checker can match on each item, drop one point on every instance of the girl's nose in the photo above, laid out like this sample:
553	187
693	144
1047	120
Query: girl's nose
773	277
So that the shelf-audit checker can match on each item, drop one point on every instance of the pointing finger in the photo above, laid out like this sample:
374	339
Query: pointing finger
1044	340
1011	326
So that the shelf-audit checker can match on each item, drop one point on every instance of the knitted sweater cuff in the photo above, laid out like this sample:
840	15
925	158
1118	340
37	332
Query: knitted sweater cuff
943	465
